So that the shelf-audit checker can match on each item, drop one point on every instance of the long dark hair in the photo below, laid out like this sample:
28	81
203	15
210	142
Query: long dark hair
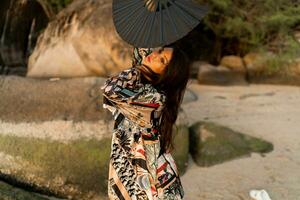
173	83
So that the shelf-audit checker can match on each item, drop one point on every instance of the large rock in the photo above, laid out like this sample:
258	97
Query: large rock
294	67
211	144
259	71
181	147
181	134
297	35
194	68
80	41
21	21
254	64
37	100
9	192
55	136
77	169
234	63
212	75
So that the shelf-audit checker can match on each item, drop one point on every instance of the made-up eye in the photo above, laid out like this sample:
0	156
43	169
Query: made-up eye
162	60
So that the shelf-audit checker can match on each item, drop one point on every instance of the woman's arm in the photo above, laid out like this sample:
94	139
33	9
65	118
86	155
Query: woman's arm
125	93
122	86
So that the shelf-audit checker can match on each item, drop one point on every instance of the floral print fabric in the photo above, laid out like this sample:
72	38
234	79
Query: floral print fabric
136	170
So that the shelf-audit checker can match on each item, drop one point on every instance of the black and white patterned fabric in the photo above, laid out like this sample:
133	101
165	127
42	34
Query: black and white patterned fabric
136	170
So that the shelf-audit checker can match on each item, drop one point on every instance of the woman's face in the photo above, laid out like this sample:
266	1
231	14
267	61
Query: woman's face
158	59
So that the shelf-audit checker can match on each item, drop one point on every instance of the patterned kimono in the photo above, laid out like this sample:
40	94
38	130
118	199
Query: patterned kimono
137	170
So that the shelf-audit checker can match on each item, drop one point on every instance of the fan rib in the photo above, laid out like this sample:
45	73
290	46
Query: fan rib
140	32
173	23
148	36
131	24
120	19
139	24
186	18
161	25
189	7
119	7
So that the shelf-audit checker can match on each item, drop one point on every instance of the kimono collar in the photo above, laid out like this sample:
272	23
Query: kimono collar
139	54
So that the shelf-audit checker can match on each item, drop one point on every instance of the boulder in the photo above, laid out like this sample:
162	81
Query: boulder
9	192
212	75
254	63
297	35
294	67
20	23
181	147
234	63
195	68
212	144
80	41
77	169
55	136
189	96
41	99
181	134
259	72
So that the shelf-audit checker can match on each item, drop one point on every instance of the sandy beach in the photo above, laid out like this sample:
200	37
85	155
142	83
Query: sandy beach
270	112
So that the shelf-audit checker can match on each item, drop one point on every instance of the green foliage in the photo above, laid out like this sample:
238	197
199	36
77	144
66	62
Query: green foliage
285	55
251	24
57	5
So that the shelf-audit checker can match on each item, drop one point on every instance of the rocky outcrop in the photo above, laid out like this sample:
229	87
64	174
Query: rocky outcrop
181	147
212	144
252	68
80	41
9	192
259	70
38	100
234	63
254	64
294	67
55	136
21	21
219	75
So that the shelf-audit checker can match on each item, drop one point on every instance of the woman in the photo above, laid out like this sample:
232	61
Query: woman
144	101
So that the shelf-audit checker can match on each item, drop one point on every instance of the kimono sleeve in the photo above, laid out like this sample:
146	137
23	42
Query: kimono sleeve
121	87
125	94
